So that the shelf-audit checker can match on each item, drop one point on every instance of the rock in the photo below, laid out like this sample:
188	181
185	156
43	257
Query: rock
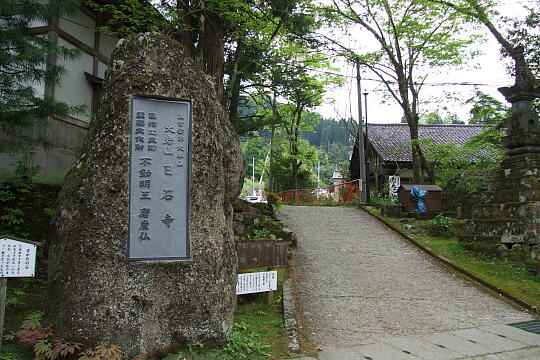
520	252
535	252
391	210
502	251
146	308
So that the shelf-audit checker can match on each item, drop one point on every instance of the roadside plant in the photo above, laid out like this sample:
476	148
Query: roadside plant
64	349
33	330
259	234
381	200
274	200
243	343
43	350
102	352
441	226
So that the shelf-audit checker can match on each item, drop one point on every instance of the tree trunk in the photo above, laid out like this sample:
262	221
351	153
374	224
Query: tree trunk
416	151
186	37
231	98
271	161
213	51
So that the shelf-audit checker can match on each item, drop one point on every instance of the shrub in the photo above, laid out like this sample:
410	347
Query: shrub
441	226
273	198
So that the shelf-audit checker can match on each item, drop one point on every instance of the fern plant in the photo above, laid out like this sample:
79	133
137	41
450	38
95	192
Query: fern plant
43	350
102	352
65	349
32	330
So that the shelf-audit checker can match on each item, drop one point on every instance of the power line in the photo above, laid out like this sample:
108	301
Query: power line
463	83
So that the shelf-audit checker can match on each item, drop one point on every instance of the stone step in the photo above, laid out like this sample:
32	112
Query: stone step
524	169
499	226
531	181
509	196
522	161
528	238
486	244
514	210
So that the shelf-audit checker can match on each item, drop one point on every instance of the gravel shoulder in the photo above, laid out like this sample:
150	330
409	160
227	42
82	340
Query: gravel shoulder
360	282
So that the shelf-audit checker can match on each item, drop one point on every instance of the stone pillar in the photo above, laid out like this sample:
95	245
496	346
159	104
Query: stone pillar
508	223
146	308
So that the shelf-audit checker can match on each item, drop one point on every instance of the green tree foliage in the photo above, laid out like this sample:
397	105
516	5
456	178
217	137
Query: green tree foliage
234	41
434	118
24	64
328	132
431	118
487	110
414	37
292	80
464	171
257	147
283	171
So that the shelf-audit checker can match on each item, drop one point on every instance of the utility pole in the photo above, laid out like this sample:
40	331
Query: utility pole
367	150
318	174
361	154
253	175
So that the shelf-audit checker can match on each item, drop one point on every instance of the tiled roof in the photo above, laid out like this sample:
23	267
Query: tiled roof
387	138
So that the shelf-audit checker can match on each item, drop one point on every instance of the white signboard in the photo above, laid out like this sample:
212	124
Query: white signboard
394	182
17	258
256	282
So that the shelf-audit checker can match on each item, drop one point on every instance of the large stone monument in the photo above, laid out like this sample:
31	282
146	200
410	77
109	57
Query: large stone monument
112	279
508	221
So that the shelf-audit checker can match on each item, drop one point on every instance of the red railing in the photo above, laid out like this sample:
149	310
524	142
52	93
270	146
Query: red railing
342	193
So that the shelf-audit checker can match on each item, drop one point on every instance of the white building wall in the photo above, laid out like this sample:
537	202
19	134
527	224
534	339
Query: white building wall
80	26
74	89
107	44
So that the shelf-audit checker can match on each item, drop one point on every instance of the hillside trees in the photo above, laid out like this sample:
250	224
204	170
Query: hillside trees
286	97
413	38
24	67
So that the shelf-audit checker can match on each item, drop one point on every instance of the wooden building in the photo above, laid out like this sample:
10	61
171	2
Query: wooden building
80	85
388	152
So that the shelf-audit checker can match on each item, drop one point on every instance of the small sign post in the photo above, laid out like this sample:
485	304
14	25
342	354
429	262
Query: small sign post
17	259
257	282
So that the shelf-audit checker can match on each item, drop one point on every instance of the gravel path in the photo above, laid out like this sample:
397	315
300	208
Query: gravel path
359	282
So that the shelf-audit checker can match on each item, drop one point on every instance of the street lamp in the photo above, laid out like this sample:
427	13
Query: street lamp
366	150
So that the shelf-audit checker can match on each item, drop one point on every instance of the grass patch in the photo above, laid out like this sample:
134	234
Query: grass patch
258	333
509	276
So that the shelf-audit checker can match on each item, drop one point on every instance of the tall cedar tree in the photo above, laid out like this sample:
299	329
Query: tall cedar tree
25	62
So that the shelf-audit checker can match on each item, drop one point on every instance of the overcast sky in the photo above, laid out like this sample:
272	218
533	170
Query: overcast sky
489	70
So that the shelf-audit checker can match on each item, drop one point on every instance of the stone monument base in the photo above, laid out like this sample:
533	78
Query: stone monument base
507	222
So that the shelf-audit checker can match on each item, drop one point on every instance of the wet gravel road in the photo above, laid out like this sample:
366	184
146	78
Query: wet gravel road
359	282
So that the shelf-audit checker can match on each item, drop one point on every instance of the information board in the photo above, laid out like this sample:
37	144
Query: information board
394	184
256	282
160	171
17	258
